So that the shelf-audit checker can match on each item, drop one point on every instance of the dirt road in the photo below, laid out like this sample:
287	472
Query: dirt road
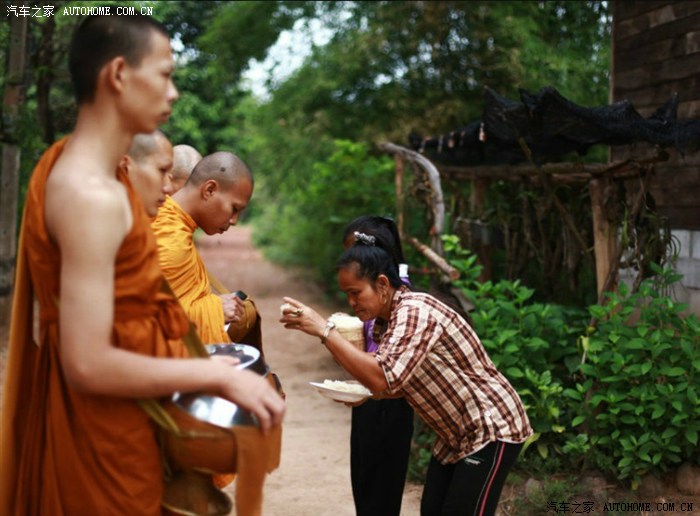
314	476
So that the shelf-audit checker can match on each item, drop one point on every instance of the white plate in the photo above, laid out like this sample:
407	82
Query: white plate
334	394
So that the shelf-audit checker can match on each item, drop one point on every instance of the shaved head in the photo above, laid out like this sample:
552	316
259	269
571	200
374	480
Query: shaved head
185	158
217	192
148	165
145	144
223	167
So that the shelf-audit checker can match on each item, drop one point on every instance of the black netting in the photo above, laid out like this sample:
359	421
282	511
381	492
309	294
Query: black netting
553	127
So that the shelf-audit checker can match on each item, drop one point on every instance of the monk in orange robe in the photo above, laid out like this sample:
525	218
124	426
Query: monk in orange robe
73	439
217	191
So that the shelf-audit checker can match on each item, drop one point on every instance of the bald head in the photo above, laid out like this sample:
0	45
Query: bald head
185	158
217	192
145	145
148	165
223	167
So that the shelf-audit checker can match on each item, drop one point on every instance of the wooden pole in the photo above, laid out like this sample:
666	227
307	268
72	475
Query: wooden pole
398	159
604	233
435	259
437	201
483	245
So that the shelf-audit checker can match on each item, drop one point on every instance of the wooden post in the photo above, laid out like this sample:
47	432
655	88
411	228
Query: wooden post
435	259
483	248
437	203
398	159
604	234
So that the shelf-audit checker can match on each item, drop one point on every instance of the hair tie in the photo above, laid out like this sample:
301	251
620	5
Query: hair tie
364	238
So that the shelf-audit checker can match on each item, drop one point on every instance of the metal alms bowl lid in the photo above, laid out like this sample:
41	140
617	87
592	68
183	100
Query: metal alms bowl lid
214	410
248	355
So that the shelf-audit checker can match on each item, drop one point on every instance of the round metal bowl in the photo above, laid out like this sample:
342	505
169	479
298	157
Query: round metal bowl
213	410
248	355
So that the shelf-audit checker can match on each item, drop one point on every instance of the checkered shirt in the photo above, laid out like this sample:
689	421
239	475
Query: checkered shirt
432	356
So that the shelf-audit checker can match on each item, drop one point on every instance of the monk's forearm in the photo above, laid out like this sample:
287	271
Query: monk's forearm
116	372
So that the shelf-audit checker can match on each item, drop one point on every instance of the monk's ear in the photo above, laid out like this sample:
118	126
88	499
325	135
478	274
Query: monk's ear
126	163
114	73
208	188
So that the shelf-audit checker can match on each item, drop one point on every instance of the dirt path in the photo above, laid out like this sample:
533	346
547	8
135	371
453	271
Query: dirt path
314	476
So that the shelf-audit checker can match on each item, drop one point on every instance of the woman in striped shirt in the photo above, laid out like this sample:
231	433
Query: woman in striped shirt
428	354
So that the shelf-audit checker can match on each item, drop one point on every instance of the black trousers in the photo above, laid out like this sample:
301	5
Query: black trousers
380	441
472	486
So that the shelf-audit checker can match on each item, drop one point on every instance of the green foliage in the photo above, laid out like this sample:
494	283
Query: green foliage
642	411
619	395
307	227
245	30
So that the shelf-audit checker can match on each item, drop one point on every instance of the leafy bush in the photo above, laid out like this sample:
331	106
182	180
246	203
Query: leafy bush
639	399
618	395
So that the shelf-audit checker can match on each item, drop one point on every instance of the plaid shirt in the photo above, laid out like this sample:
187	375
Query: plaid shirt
431	355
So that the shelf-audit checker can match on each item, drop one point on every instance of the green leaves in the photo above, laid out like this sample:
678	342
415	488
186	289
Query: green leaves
643	373
620	396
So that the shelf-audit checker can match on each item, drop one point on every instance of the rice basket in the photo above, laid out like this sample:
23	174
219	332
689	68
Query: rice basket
351	328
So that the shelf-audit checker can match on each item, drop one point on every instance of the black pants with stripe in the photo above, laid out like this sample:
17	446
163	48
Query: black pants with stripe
471	486
380	441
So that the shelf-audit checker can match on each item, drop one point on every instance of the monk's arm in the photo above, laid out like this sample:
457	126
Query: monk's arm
187	277
89	360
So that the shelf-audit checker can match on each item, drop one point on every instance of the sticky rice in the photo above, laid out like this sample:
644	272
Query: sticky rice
339	385
350	327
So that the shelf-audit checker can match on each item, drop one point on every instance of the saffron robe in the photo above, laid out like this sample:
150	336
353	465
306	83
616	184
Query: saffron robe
67	453
184	269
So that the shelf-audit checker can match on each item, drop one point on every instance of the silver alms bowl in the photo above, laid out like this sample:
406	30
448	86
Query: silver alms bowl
214	410
248	355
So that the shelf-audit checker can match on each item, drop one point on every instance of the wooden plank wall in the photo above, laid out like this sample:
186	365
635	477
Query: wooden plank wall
656	52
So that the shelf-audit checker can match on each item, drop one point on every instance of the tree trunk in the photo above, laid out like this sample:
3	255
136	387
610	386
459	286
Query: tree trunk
9	177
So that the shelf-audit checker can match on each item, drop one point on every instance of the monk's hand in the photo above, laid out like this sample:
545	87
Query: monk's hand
254	393
298	316
233	307
232	361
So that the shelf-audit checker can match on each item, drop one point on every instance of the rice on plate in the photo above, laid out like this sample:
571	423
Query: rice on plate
345	391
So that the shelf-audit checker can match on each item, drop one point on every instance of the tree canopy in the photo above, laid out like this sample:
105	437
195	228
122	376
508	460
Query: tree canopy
388	69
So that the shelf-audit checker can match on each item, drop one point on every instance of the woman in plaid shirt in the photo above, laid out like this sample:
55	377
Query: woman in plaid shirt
428	354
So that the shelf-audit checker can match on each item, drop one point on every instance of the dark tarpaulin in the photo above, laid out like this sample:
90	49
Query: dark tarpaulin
553	127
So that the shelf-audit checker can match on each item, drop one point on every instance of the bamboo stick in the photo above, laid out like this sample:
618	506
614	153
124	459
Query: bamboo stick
435	259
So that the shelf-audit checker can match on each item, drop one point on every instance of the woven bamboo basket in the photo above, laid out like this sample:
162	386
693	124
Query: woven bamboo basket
351	328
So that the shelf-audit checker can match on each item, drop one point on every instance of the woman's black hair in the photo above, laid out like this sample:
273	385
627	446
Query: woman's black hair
384	227
373	263
373	256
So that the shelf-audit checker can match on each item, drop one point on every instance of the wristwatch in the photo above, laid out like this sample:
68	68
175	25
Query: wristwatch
329	326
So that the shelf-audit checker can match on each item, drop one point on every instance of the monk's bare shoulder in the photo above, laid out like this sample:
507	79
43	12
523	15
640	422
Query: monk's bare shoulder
86	208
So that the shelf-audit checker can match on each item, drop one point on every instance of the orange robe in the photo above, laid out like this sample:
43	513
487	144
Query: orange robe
184	269
65	453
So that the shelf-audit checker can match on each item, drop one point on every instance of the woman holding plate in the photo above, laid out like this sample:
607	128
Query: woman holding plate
430	355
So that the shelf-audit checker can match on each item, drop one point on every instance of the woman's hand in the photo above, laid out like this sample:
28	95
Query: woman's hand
298	316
